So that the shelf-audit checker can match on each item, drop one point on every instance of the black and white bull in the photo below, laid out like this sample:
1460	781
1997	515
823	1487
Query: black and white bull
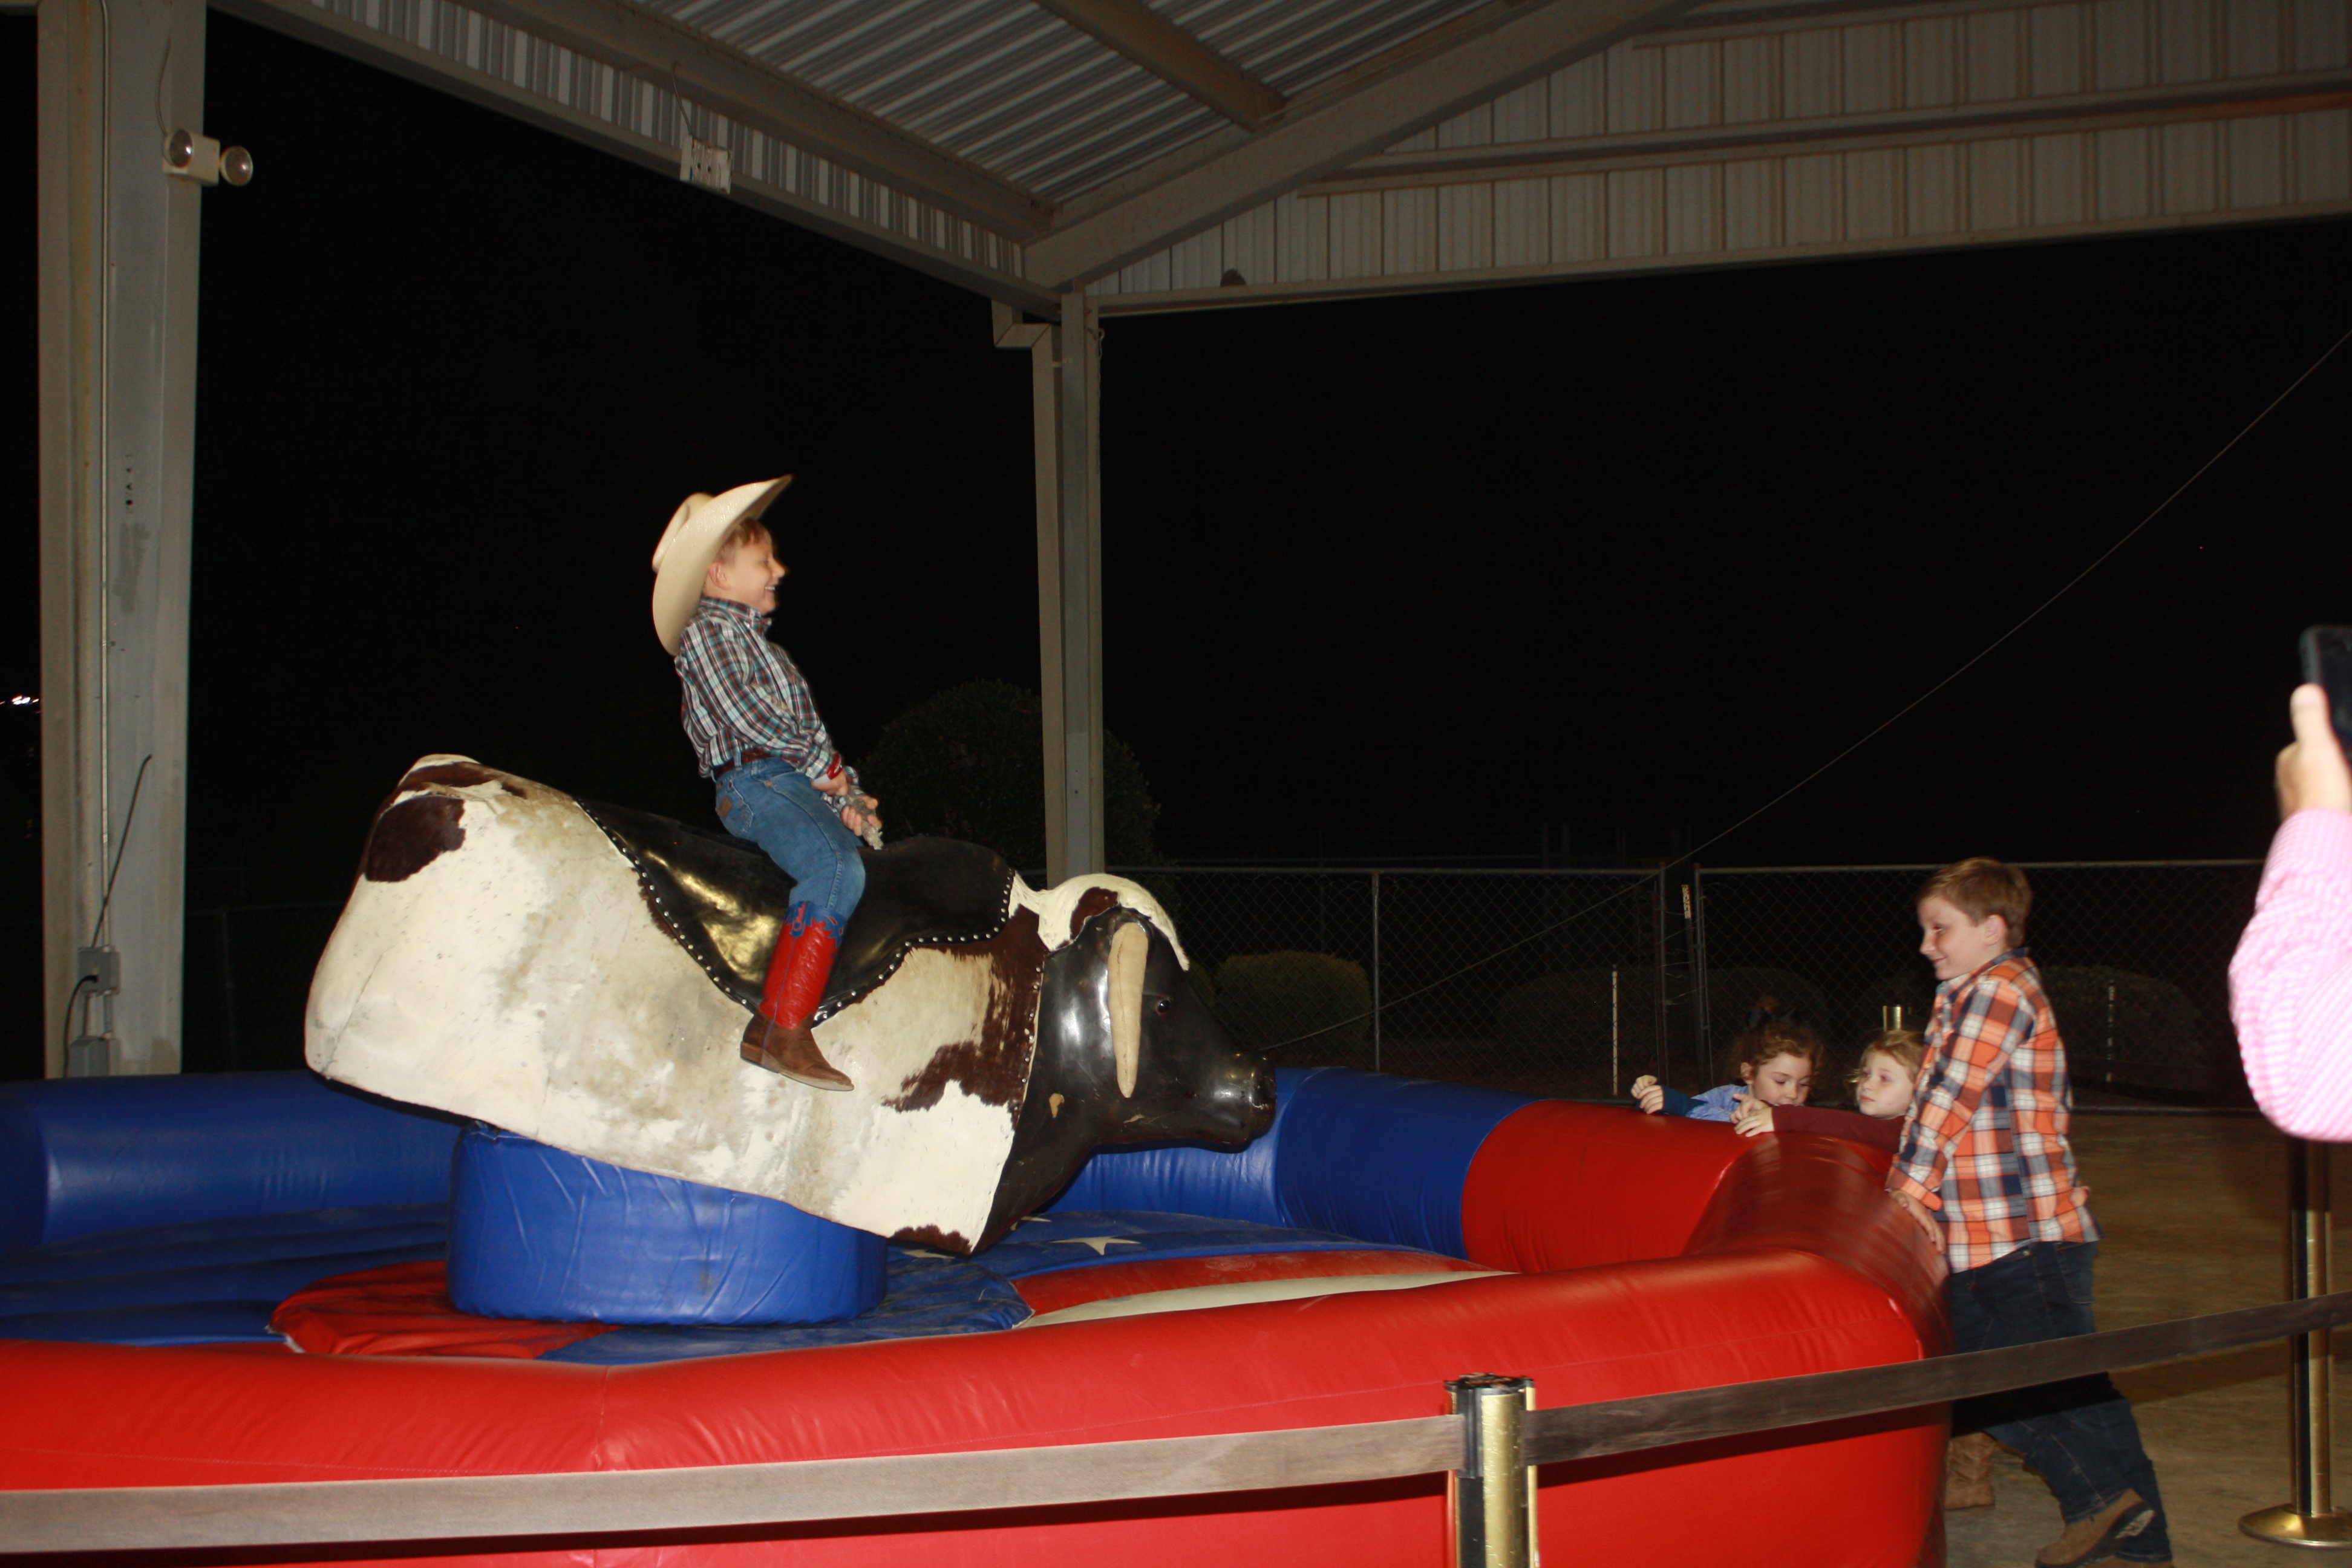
579	973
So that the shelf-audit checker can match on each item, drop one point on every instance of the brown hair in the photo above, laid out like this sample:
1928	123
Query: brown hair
1980	888
742	531
1907	1046
1757	1047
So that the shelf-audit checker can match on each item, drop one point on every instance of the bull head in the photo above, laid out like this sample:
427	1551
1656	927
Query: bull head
1126	1052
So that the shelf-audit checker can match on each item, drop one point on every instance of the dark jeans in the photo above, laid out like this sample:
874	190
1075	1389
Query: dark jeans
773	804
2079	1434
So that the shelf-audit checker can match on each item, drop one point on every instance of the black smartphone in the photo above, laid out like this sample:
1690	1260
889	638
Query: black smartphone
2327	661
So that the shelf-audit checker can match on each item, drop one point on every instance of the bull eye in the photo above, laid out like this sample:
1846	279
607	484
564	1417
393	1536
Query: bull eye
1161	1005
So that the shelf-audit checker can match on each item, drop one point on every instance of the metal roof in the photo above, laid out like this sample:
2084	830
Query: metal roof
1014	89
1174	153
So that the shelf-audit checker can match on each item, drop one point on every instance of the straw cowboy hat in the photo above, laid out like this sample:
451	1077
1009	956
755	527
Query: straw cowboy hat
690	544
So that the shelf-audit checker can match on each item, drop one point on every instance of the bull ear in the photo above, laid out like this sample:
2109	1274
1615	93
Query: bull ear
1129	946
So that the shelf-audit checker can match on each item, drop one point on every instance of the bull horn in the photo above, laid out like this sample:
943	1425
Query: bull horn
1129	948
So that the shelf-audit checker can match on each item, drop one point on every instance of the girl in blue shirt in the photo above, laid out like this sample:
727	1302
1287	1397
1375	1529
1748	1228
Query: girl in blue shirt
1777	1064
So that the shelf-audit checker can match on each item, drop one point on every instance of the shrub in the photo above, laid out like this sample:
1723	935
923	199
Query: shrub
1912	989
1274	998
1730	993
1568	1015
970	764
2154	1021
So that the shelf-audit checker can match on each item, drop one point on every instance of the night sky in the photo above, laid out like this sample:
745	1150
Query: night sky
1413	575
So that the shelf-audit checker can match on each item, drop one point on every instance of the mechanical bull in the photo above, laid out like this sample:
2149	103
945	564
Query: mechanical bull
581	974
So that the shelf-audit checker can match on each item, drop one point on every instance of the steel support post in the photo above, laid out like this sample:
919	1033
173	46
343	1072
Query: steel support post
1492	1498
1064	383
2311	1518
118	248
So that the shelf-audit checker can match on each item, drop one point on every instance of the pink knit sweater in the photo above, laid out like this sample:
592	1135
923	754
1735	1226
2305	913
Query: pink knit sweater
2291	983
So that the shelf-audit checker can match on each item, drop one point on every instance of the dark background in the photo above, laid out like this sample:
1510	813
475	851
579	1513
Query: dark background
1407	576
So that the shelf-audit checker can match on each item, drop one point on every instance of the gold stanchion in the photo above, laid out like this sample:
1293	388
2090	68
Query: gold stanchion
1493	1496
2311	1520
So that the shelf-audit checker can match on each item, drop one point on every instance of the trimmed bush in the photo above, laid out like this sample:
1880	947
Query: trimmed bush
2154	1021
970	764
1730	993
1274	998
1568	1015
1912	989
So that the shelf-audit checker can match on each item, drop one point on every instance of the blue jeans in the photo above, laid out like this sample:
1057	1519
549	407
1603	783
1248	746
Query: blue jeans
773	804
2079	1434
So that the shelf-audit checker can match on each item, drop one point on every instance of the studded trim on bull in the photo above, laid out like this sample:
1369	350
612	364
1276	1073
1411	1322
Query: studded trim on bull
886	926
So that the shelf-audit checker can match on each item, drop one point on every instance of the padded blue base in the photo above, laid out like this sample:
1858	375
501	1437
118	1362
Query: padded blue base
927	1294
79	1156
537	1233
1364	1154
204	1282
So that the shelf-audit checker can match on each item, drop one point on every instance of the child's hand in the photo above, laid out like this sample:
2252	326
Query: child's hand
1927	1221
860	813
1649	1095
1752	1117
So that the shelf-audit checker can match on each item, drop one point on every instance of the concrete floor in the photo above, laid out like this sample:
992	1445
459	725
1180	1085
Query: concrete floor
2192	1209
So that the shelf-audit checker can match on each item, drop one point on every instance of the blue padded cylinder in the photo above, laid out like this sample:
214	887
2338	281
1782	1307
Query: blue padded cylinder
1383	1158
1190	1177
82	1155
538	1233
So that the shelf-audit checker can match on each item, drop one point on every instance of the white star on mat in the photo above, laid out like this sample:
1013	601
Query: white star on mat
1101	1243
1035	1219
918	1252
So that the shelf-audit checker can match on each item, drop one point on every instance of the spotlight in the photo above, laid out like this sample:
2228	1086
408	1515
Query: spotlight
188	156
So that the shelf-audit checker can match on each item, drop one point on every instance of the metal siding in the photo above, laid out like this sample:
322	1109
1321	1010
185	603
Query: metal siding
2118	45
1895	187
1465	227
1522	223
1636	218
1992	57
1693	201
1580	218
2319	34
1692	84
1751	80
1931	62
2190	161
1751	204
2257	161
1872	69
2323	155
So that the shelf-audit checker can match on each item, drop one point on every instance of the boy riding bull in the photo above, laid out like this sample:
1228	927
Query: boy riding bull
756	733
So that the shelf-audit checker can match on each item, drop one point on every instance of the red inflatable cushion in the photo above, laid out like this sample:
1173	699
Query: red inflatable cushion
403	1309
1102	1281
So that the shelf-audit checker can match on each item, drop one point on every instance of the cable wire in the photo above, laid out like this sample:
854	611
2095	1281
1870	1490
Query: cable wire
1880	728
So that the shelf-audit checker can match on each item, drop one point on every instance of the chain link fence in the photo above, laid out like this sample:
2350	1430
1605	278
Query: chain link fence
1568	982
1573	983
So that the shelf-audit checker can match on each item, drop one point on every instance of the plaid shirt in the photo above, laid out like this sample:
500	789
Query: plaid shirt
1986	1142
741	694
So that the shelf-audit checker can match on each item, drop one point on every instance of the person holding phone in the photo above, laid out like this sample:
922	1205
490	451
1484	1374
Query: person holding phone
2291	981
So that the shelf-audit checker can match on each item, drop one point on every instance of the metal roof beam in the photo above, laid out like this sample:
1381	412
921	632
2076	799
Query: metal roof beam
327	29
1522	42
745	89
1173	55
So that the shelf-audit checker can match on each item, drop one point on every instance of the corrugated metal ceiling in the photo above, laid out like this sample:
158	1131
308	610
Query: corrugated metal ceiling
1013	89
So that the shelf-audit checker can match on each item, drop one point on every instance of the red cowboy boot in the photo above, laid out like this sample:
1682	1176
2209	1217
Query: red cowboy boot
778	1036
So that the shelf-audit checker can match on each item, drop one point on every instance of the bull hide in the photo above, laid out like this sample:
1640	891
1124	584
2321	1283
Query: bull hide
583	980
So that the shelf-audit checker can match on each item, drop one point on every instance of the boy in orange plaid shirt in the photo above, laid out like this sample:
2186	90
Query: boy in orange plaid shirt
1985	1168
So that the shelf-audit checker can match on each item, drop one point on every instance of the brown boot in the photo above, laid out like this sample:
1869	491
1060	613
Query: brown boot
777	1035
1967	1472
794	1052
2095	1539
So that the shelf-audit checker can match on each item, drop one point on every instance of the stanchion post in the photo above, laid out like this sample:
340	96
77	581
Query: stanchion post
2311	1518
1492	1498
